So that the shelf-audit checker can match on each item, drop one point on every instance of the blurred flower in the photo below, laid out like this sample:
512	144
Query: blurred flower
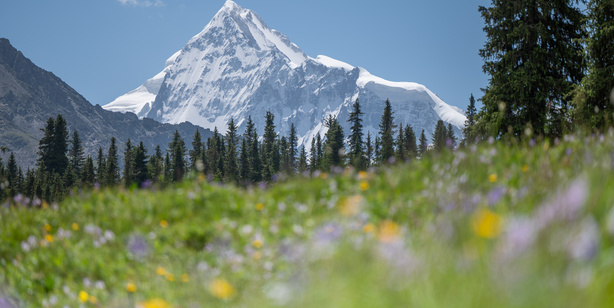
368	228
222	289
362	175
130	287
154	303
185	277
49	238
163	223
350	206
525	168
388	232
137	245
169	277
93	299
364	185
583	243
83	296
495	195
257	243
75	226
518	236
47	228
486	224
161	271
565	206
610	222
259	206
492	178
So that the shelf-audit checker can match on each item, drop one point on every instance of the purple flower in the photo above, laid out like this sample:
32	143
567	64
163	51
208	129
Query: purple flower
568	152
138	246
495	195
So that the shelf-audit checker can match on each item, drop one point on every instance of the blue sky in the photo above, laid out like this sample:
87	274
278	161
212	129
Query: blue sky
105	48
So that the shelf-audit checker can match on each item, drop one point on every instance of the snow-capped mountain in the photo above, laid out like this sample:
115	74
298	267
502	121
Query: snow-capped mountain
238	67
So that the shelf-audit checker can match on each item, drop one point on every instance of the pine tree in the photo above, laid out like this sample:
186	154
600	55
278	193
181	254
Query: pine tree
128	164
177	157
598	107
377	150
333	146
409	142
195	153
356	153
451	138
156	164
423	144
60	146
140	172
386	133
302	161
313	156
370	151
533	56
88	177
284	165
12	176
69	179
45	145
244	161
468	130
231	167
319	152
253	153
111	176
400	153
440	136
214	153
270	155
76	154
292	150
101	167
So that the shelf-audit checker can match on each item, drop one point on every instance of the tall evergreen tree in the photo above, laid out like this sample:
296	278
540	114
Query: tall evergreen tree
195	153
409	142
75	153
253	153
313	156
60	146
12	176
168	170
101	167
319	152
45	146
468	130
440	136
424	146
400	154
302	161
156	164
386	133
270	155
177	155
533	56
88	176
370	151
128	164
333	146
598	106
231	167
356	153
292	149
140	172
244	161
112	166
450	138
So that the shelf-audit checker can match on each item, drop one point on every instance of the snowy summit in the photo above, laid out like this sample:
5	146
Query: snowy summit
238	67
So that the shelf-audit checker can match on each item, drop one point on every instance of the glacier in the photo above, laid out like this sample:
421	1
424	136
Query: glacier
238	67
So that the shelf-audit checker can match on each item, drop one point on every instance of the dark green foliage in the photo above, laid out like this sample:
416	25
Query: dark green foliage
196	152
292	150
231	166
12	176
302	161
139	161
101	167
253	153
313	156
319	152
244	161
270	154
88	177
533	56
356	153
75	153
471	113
177	157
386	133
440	136
451	138
409	142
214	154
597	106
53	146
423	144
70	178
400	154
156	164
128	164
369	151
111	176
334	153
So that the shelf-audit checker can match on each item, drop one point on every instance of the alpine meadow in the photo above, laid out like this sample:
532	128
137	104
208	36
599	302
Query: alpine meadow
247	173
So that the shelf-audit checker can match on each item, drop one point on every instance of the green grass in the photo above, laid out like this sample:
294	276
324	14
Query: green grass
488	226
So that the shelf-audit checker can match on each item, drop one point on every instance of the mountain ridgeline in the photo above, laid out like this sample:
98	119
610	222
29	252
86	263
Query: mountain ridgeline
29	96
238	67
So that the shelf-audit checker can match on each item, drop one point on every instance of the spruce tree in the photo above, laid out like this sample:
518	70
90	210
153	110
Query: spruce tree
231	167
598	105
111	176
168	170
128	164
270	155
60	146
451	138
69	179
284	166
156	164
333	146
45	146
88	177
302	161
400	153
423	144
76	154
195	153
140	172
440	136
244	161
409	142
292	150
369	149
253	153
177	157
12	176
356	153
319	152
101	167
468	130
386	133
533	56
313	157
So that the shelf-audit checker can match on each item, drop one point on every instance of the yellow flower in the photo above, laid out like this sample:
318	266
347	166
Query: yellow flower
83	296
163	223
75	226
161	271
221	288
350	206
388	232
492	178
486	224
154	303
47	228
93	300
49	238
169	277
259	206
257	244
368	228
362	175
525	168
130	287
45	205
257	255
324	175
185	277
364	185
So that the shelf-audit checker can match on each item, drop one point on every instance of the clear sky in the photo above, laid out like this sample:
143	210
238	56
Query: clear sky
105	48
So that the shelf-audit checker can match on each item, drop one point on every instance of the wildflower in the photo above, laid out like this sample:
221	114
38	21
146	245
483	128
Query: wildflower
257	244
154	303
47	228
492	178
161	271
257	255
350	206
163	223
185	277
83	296
486	224
364	185
362	175
75	226
388	232
368	228
222	289
169	277
259	206
130	287
49	238
525	168
324	175
93	299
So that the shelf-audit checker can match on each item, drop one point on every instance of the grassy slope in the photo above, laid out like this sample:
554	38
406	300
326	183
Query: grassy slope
494	226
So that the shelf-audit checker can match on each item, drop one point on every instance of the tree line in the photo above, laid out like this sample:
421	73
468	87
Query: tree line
551	68
232	158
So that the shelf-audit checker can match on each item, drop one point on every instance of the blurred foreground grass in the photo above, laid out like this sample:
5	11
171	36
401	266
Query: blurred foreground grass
487	226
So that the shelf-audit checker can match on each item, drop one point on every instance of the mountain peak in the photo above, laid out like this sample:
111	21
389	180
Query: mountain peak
231	5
